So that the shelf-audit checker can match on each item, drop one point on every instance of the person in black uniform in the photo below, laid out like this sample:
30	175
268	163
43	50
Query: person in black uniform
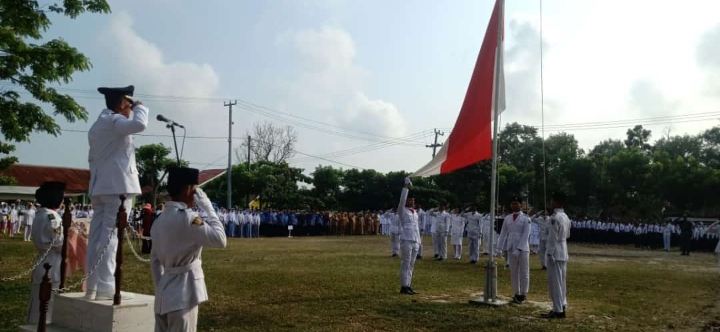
686	233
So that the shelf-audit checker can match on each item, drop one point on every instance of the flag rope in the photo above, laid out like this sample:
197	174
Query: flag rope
542	111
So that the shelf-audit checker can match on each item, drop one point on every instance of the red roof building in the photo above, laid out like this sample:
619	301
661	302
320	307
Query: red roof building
76	179
208	175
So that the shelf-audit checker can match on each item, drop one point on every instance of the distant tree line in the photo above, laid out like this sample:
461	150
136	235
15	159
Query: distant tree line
622	179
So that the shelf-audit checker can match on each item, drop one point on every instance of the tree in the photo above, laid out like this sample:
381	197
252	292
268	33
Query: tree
268	143
152	161
326	181
637	137
31	68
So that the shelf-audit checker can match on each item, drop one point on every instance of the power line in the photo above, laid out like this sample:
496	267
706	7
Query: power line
254	108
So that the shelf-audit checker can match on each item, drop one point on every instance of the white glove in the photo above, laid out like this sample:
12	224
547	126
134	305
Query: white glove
202	201
408	183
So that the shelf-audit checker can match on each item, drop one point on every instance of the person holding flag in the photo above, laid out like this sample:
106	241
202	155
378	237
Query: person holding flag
409	238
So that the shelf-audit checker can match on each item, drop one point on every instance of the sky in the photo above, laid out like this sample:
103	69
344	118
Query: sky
364	83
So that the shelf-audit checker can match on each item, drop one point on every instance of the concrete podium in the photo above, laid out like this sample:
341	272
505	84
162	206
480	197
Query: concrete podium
73	313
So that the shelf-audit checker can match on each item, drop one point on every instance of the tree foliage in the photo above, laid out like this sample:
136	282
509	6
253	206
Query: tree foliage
268	143
30	66
152	162
629	178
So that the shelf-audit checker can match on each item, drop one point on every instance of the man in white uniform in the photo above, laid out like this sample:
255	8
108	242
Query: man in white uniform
513	241
557	257
542	220
112	173
394	233
473	231
47	237
442	227
179	235
409	238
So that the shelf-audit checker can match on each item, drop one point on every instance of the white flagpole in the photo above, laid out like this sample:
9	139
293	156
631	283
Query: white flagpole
490	294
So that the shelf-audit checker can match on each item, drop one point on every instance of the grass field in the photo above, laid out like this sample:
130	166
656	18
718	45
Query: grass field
351	284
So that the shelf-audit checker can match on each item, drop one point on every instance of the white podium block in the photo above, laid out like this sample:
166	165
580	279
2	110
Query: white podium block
74	313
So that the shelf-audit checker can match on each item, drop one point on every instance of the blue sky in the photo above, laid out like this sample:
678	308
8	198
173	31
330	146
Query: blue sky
380	70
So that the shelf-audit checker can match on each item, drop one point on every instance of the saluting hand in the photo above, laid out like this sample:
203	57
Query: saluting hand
408	183
136	103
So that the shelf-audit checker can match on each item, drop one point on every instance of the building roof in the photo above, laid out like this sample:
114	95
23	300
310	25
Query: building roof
209	175
76	179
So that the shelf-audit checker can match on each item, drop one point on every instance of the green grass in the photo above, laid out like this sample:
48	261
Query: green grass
351	284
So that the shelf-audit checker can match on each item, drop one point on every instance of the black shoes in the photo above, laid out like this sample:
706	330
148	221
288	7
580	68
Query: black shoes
394	255
473	262
436	256
544	268
553	315
440	259
518	299
407	291
418	257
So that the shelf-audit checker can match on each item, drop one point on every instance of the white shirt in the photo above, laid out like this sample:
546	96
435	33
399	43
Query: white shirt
408	220
178	238
515	233
557	238
112	153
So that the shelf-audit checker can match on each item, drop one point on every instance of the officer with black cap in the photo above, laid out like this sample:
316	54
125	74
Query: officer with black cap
179	235
47	233
113	172
513	241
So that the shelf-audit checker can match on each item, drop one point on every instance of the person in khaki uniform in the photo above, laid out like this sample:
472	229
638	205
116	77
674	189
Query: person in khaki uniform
179	235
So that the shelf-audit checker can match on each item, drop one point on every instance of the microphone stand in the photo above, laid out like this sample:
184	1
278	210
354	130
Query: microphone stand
177	153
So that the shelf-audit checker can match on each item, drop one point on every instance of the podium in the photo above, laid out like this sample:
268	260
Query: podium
73	313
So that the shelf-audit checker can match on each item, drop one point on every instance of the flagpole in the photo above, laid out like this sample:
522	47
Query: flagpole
490	294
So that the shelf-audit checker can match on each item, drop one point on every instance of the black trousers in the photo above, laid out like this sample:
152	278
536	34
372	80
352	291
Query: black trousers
685	243
146	246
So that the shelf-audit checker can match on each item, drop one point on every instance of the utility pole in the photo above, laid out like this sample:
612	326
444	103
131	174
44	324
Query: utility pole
229	170
435	145
247	201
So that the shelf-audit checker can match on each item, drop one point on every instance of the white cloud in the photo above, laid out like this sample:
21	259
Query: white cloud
363	113
708	58
329	83
135	60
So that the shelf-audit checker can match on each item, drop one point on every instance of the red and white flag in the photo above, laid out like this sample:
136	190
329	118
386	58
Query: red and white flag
471	138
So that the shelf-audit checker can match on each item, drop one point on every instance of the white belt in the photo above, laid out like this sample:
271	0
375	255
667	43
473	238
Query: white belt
182	269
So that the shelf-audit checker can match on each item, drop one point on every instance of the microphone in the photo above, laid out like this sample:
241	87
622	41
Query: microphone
170	122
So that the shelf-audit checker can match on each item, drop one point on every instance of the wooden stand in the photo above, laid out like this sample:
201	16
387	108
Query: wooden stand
45	294
66	223
122	223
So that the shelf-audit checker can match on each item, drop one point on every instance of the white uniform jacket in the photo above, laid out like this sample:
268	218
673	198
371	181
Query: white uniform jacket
112	152
178	237
559	232
442	221
409	227
473	226
515	234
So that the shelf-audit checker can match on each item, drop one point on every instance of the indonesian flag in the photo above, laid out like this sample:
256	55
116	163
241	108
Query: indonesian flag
471	138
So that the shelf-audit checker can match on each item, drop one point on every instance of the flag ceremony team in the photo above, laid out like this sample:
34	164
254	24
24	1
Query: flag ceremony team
176	233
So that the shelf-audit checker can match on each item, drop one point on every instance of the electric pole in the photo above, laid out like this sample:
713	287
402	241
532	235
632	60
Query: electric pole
247	203
229	169
435	145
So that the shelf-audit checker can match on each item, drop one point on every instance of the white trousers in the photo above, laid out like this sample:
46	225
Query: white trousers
409	250
184	320
474	244
420	247
395	243
435	241
442	244
542	251
666	241
458	250
520	272
103	223
557	281
486	243
28	232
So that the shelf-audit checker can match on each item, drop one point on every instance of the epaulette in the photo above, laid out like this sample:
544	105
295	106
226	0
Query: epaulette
58	230
51	217
181	210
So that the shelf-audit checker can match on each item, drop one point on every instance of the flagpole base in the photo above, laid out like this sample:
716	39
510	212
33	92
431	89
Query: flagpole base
490	295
